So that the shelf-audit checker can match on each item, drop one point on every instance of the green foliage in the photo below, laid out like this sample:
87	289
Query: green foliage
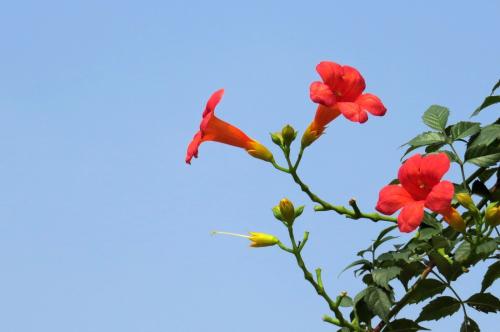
469	325
492	274
378	301
484	302
436	117
427	288
403	325
438	308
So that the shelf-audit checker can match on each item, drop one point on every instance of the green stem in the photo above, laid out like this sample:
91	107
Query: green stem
318	286
278	167
325	206
448	284
299	158
461	163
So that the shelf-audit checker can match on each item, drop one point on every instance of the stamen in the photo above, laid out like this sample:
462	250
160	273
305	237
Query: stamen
230	234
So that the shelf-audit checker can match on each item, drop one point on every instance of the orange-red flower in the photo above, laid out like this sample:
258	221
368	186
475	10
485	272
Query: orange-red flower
420	186
214	129
341	92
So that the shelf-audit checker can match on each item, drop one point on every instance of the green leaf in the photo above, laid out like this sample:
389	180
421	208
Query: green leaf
433	147
427	233
483	155
438	308
378	301
382	276
488	135
495	87
464	129
487	174
450	271
425	289
488	101
469	326
403	325
452	156
346	302
436	117
427	138
410	270
358	262
463	252
385	231
440	241
344	329
492	274
378	243
486	248
484	302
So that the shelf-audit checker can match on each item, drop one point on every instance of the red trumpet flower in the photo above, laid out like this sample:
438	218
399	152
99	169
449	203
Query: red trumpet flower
341	92
420	186
214	129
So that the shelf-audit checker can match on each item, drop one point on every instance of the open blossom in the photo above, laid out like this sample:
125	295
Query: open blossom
420	186
341	92
214	129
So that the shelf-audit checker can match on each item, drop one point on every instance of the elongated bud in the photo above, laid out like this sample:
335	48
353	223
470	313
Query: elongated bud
454	219
257	150
492	215
288	134
310	135
262	239
287	211
466	201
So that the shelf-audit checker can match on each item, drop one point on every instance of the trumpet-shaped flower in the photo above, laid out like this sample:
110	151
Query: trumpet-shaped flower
420	186
214	129
340	92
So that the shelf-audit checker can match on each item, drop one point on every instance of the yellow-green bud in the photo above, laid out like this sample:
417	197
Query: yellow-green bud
492	215
262	239
455	220
287	211
288	134
466	201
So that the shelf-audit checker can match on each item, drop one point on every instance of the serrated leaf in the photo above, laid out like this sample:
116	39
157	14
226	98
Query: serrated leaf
378	243
463	252
486	248
452	156
487	174
469	325
433	147
484	302
464	129
483	155
450	271
410	270
427	138
488	101
431	221
486	136
403	325
427	233
385	231
438	308
492	274
425	289
436	117
382	276
358	262
378	301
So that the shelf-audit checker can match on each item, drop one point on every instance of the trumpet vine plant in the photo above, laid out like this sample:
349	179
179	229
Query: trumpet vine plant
454	222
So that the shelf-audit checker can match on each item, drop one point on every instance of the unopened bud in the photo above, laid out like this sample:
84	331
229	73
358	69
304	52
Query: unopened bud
259	151
288	134
287	211
466	201
492	215
277	138
262	239
310	135
454	219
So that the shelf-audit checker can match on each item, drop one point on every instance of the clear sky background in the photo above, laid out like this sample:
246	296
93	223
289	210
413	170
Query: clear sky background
102	225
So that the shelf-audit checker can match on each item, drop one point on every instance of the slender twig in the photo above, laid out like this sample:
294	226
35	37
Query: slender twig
461	164
448	284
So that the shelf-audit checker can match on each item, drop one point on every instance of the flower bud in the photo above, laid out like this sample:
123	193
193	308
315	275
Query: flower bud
454	219
262	239
466	201
310	135
259	151
288	134
287	211
492	215
277	138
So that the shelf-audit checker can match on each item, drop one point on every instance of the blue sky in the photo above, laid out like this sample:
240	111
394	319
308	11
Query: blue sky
102	225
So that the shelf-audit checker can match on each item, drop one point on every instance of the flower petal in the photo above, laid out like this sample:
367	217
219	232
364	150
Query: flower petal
411	216
439	199
392	198
322	94
213	101
351	85
409	177
330	72
433	167
324	115
192	150
352	111
371	103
